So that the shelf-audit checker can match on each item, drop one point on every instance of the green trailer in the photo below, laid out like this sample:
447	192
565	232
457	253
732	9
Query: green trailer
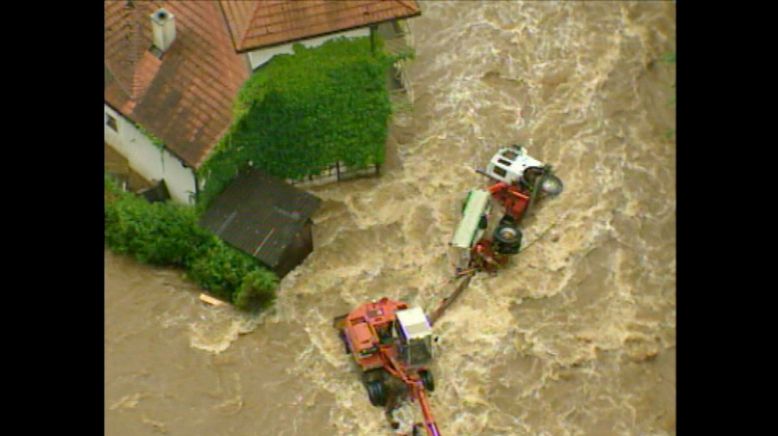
473	224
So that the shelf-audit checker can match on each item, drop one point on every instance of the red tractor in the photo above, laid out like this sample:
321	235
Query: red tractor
388	339
519	180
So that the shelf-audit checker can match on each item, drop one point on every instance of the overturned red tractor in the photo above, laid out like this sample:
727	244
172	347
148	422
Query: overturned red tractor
388	339
517	181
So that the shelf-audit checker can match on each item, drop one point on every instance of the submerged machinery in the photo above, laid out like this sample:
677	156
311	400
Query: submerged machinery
481	243
391	341
517	180
388	339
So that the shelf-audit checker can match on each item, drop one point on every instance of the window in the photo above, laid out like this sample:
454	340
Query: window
499	171
111	122
510	154
420	351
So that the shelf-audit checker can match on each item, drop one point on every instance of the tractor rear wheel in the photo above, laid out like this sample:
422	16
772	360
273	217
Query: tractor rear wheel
427	379
508	234
508	237
376	391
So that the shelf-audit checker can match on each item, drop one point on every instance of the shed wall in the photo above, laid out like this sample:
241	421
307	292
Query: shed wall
297	251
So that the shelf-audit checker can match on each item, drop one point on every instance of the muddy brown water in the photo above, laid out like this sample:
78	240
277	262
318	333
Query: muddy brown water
576	337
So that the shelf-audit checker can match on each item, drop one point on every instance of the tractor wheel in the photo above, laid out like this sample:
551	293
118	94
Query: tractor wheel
376	391
508	234
508	237
427	379
530	177
551	185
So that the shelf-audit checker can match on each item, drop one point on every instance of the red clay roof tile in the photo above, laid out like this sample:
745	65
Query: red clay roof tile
186	97
261	23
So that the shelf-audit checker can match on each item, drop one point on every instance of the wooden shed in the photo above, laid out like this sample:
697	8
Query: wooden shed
266	218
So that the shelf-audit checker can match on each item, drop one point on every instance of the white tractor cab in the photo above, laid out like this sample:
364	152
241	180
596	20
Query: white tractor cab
415	334
473	225
514	166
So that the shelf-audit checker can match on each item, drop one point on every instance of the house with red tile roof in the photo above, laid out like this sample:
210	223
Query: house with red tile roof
174	68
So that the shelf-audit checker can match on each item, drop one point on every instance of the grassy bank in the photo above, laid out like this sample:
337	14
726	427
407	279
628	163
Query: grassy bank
167	234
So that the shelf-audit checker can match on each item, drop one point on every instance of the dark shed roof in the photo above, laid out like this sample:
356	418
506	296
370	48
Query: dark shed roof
260	215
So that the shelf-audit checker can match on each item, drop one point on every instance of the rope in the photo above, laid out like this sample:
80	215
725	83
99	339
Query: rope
539	237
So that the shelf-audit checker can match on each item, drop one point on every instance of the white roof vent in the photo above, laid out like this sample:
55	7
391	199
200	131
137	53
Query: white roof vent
163	26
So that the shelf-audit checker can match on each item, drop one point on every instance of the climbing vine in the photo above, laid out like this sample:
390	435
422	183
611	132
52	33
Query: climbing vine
301	113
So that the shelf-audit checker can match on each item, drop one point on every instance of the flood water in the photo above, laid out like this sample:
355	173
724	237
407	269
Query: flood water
575	337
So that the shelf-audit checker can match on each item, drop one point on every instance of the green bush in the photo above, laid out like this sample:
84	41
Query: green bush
112	190
221	269
301	113
256	292
156	233
167	234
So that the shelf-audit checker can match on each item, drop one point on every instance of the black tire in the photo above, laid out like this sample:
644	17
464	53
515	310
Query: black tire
508	237
376	391
531	176
508	234
427	379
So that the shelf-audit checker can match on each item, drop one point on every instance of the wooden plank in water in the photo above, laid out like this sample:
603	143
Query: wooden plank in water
205	298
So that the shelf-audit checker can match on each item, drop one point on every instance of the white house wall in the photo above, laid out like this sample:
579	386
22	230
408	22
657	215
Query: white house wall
148	160
259	57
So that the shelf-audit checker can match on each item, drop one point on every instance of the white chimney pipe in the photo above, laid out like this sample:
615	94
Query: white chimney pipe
163	25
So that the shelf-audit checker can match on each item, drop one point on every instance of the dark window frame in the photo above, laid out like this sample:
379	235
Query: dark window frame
112	123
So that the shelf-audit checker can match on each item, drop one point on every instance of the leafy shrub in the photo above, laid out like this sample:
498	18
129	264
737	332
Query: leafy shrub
302	113
256	292
155	233
221	269
112	189
167	234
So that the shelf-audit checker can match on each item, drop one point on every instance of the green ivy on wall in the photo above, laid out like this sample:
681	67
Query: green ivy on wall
301	113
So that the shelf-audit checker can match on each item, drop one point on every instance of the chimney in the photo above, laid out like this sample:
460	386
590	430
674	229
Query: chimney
163	25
